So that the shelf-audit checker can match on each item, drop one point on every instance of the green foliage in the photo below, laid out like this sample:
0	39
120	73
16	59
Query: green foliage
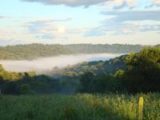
143	73
78	107
119	73
25	83
33	51
10	88
137	72
1	68
86	82
12	76
98	84
25	89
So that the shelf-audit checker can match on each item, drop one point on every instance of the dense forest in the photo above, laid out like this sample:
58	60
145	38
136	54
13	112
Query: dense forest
136	72
33	51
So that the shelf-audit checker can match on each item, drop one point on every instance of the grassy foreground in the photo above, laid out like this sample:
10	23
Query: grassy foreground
78	107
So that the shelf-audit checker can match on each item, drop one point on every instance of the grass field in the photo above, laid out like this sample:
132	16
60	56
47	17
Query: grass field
78	107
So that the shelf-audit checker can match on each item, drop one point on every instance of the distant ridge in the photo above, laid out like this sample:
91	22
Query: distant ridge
33	51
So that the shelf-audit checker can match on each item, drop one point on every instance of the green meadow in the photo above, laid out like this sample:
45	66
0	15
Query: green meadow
79	107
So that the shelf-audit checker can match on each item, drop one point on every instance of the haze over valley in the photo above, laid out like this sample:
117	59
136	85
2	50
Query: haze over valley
41	57
41	65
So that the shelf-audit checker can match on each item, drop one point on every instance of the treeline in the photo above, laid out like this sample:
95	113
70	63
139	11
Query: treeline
136	72
104	48
25	83
33	51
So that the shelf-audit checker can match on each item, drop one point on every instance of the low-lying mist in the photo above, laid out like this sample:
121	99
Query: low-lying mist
47	64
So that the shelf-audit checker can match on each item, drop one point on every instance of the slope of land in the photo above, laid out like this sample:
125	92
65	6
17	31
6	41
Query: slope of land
33	51
138	72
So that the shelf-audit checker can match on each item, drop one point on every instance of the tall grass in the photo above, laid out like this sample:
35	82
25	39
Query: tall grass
78	107
140	108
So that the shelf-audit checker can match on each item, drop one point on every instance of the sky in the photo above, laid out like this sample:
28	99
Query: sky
80	21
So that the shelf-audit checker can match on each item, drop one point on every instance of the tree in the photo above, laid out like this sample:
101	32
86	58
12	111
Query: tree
86	81
143	72
10	88
1	68
25	89
119	73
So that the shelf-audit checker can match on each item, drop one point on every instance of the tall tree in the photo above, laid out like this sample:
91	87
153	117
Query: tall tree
143	73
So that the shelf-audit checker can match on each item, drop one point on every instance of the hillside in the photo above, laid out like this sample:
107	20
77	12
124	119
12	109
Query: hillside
33	51
136	72
96	67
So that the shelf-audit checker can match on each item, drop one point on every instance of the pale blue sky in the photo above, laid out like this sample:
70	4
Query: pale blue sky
79	21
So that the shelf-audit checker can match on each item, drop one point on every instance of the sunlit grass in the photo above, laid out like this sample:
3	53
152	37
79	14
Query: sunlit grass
78	107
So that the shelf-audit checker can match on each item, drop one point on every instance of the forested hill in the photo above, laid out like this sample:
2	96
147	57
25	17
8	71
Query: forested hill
104	48
133	73
33	51
136	72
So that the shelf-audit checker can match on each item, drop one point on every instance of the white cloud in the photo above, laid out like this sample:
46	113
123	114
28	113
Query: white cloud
156	2
72	3
118	4
115	4
127	22
47	29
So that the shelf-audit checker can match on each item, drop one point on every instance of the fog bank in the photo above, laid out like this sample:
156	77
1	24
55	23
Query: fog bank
46	64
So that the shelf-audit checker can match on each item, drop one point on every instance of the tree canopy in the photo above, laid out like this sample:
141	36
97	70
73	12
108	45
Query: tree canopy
143	71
